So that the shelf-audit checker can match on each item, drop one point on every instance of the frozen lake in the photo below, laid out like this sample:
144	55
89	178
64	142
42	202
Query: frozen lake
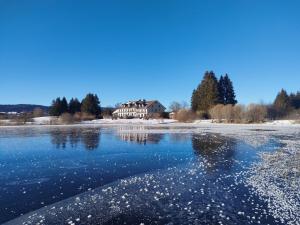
132	175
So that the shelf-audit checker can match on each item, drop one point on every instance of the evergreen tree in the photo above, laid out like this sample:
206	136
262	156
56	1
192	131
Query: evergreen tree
58	107
55	108
295	100
74	106
194	100
91	105
207	93
228	91
282	103
64	105
221	86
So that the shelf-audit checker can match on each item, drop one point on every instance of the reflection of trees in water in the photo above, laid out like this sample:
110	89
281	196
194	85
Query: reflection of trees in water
155	138
59	138
138	134
89	137
179	137
74	137
216	150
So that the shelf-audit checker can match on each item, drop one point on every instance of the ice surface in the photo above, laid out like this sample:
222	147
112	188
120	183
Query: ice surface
266	192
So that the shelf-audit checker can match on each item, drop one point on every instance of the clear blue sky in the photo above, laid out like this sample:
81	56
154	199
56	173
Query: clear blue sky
155	49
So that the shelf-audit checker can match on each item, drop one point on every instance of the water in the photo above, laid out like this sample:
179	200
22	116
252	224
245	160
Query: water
90	175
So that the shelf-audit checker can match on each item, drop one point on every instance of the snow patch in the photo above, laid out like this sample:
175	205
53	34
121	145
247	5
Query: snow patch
130	121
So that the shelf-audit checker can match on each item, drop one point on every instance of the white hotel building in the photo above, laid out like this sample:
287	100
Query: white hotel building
139	109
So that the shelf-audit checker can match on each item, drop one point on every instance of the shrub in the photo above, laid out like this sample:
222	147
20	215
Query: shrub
185	115
293	115
21	119
228	113
256	113
66	118
77	117
238	112
202	114
216	113
87	116
38	112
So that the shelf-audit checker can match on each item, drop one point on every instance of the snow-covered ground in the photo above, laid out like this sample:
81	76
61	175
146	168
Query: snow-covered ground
130	121
282	122
45	120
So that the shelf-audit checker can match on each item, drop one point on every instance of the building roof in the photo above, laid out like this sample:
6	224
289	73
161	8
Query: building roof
137	104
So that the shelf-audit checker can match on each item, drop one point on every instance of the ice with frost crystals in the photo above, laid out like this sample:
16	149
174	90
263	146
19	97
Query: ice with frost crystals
122	198
276	181
176	183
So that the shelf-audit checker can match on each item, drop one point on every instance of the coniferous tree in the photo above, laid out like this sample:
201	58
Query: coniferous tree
295	100
58	107
195	100
91	105
207	93
229	94
64	105
221	86
55	108
282	103
74	106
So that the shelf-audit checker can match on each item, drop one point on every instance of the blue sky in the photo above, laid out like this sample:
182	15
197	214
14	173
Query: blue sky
156	49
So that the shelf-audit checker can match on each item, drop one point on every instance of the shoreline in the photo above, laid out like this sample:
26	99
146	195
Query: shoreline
233	130
174	124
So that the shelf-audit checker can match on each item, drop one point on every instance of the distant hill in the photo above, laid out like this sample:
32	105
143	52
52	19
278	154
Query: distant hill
22	108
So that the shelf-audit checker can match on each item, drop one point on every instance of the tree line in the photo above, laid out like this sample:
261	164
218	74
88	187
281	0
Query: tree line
215	98
286	104
89	105
211	92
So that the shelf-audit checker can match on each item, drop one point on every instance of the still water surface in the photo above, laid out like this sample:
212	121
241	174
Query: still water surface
167	178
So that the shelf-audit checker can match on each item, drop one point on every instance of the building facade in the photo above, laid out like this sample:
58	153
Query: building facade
139	109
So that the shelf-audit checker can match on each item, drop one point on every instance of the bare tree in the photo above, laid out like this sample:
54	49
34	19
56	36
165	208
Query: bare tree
118	105
239	112
184	105
38	112
256	113
216	113
228	113
66	118
185	115
176	106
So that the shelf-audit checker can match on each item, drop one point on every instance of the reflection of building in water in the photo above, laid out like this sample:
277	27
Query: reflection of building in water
216	150
138	134
90	138
140	138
